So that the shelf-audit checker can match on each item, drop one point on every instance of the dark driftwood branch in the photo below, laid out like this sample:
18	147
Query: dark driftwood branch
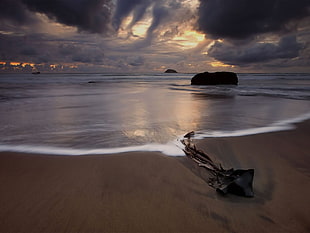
224	181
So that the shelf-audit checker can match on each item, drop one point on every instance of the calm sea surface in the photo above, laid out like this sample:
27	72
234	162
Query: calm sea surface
105	113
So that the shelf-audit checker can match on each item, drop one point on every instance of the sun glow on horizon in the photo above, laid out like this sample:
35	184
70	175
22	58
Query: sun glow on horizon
23	64
220	64
30	67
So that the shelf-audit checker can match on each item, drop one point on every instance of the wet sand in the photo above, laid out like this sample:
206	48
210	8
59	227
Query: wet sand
151	192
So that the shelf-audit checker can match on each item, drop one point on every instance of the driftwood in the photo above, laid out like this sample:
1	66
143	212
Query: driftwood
238	181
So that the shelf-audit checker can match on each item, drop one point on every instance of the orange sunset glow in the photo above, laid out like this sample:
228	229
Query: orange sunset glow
111	35
22	64
220	64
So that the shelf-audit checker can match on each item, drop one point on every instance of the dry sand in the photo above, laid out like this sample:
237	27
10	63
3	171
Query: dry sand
150	192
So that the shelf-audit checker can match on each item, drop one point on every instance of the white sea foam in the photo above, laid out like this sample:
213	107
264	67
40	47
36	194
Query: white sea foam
173	148
277	126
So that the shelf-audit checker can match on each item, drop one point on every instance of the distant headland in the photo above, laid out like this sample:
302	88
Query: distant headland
171	71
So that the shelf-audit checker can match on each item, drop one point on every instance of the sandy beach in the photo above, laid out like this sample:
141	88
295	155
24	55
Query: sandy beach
151	192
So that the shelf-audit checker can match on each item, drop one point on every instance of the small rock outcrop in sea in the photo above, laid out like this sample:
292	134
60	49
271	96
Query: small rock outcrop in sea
216	78
171	71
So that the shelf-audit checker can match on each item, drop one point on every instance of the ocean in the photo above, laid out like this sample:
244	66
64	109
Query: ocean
79	114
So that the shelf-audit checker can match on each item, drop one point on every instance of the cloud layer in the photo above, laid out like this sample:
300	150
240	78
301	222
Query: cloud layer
90	15
149	35
240	19
287	47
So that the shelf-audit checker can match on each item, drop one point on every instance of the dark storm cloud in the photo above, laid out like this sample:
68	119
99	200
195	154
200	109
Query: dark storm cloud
159	14
92	56
87	15
76	53
67	49
15	11
71	49
23	48
38	48
239	19
29	51
90	15
287	48
126	7
94	16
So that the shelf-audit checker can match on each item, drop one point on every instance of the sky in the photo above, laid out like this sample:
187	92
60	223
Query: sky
133	36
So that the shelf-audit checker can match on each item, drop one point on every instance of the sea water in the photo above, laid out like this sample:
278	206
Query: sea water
78	114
